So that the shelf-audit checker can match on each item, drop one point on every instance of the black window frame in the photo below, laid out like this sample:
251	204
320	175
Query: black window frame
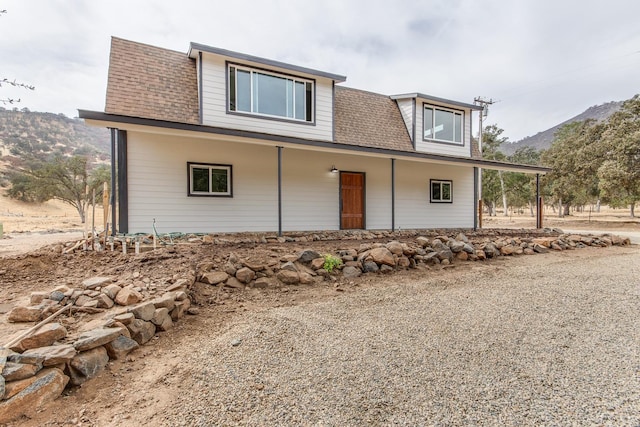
440	182
210	166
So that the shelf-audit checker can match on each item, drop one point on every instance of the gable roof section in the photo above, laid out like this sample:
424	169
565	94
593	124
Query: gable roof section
151	82
369	119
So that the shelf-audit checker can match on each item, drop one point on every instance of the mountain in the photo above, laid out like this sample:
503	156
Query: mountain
28	134
542	140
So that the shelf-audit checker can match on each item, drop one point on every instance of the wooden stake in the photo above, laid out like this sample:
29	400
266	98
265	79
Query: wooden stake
105	210
93	220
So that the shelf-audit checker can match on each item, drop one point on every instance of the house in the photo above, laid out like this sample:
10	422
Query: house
219	141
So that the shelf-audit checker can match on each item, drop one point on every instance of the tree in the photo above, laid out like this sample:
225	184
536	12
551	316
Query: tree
493	185
65	179
619	175
521	187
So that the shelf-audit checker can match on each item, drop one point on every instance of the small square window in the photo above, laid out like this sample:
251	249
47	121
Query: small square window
209	180
441	191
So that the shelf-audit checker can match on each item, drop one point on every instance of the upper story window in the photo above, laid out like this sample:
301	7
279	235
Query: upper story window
443	124
269	94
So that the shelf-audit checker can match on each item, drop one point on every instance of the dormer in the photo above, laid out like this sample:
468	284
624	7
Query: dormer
245	92
437	125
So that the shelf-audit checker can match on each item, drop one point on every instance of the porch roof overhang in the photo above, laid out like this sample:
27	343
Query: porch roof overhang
108	120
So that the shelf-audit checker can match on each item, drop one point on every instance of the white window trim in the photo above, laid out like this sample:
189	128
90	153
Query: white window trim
441	181
434	107
270	73
228	168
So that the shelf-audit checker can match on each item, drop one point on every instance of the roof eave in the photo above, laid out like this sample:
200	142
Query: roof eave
197	47
436	99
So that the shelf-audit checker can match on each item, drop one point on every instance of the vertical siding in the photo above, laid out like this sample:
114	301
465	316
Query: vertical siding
214	106
406	109
413	208
442	148
158	186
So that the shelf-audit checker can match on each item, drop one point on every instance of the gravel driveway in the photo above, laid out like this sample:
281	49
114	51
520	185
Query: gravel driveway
542	340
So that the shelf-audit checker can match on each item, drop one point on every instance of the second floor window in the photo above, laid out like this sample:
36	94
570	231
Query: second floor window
262	93
441	124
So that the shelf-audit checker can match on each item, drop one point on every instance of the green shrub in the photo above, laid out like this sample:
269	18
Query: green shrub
331	262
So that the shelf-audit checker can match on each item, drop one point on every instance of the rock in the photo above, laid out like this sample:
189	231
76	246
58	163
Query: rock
455	246
384	268
111	290
26	358
544	241
37	297
124	318
462	238
193	311
95	282
245	275
540	249
288	277
462	256
350	272
528	251
403	262
556	246
181	296
141	331
230	269
128	296
47	386
370	267
317	263
143	311
445	254
18	371
181	283
382	256
394	247
236	342
43	337
422	241
480	254
234	283
166	301
87	365
53	354
178	311
308	255
86	301
306	278
57	296
491	250
104	301
468	248
162	319
253	265
508	250
263	282
96	338
289	266
120	347
214	277
25	314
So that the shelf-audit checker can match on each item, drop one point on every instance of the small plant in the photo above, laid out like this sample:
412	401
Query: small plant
331	262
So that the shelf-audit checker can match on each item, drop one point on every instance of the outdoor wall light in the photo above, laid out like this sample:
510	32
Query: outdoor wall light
334	169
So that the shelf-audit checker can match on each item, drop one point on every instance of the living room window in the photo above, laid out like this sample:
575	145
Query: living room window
269	94
442	124
209	180
441	191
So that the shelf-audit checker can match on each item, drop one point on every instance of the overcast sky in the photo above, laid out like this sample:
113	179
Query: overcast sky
544	61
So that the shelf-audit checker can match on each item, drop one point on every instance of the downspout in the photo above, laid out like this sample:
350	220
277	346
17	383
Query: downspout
279	191
393	194
112	200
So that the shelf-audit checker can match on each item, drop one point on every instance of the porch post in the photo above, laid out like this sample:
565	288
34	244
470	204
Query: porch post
279	191
476	201
393	194
123	188
538	203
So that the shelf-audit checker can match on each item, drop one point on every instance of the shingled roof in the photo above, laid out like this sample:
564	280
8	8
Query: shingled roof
151	82
155	83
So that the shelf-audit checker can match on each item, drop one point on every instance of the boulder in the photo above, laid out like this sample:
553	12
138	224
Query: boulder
508	250
370	267
480	254
162	319
25	314
288	277
468	248
491	250
43	337
308	255
124	318
540	249
167	301
382	256
141	331
179	310
254	265
96	338
214	277
37	297
455	246
104	301
120	347
128	296
403	262
47	386
306	278
230	269
384	268
245	275
143	311
57	296
462	256
394	247
461	237
263	282
111	290
87	365
350	272
18	371
234	283
289	266
422	241
95	282
544	241
86	301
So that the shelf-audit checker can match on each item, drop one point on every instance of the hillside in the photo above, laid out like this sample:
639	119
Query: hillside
542	140
27	134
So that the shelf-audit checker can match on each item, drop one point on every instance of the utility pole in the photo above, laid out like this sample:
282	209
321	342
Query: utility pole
484	103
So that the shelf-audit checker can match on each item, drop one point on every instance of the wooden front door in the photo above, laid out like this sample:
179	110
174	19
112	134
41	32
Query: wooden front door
351	200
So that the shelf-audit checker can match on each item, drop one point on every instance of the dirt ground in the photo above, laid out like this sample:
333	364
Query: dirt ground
156	366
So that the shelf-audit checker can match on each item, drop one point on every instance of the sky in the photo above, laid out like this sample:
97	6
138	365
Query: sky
540	61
